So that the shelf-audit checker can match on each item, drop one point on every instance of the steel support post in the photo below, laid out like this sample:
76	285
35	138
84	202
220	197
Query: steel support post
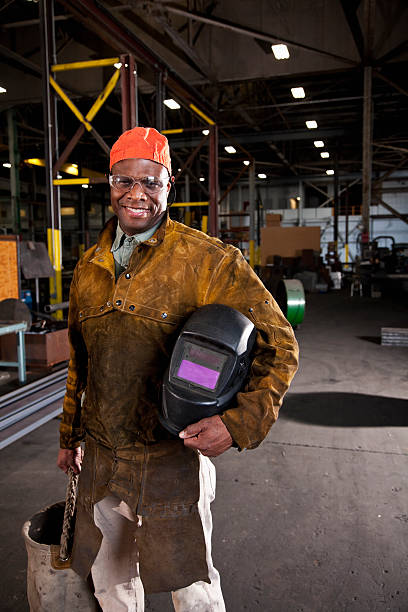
367	151
336	202
213	182
301	202
14	159
252	228
48	55
160	94
128	84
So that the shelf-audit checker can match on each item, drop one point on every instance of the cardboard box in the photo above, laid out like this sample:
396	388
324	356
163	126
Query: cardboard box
273	220
42	350
288	241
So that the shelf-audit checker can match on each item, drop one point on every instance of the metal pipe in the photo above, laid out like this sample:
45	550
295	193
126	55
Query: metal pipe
53	307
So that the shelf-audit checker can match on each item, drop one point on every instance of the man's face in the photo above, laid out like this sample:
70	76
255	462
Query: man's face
136	209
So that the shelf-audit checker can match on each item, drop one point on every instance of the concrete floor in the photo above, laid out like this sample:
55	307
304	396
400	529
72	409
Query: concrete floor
316	519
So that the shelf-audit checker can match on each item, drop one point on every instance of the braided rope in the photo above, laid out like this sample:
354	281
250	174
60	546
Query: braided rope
68	523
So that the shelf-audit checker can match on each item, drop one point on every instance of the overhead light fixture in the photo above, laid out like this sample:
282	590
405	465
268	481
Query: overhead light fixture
205	132
170	103
230	149
329	172
6	165
262	176
246	162
312	125
59	176
202	179
85	186
298	92
318	144
118	65
178	169
2	89
280	51
325	154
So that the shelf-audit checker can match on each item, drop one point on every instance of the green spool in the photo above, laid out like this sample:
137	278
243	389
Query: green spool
291	299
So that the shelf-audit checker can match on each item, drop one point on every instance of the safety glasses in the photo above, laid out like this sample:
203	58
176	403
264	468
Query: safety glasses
148	184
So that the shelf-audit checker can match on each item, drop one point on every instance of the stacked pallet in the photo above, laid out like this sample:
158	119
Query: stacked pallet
394	336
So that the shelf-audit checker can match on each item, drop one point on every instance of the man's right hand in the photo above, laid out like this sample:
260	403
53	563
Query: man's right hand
70	459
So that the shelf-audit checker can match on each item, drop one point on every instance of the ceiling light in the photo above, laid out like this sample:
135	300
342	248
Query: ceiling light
6	165
202	178
311	124
318	144
205	132
118	65
85	186
298	92
325	154
178	169
329	172
170	103
59	176
280	51
230	149
2	89
262	176
246	162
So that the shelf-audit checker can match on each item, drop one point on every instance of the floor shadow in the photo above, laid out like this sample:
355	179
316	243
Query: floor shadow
345	410
374	339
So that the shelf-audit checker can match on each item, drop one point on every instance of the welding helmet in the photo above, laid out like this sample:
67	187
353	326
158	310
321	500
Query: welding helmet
208	366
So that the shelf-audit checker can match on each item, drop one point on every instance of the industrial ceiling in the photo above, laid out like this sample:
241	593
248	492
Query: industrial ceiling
217	55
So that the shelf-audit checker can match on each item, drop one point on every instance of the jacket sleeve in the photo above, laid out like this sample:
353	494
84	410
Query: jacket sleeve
276	353
70	429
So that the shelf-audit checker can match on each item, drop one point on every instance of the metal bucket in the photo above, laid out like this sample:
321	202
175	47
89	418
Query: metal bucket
50	589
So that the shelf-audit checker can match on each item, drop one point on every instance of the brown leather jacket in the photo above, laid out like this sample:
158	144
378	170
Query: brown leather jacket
122	334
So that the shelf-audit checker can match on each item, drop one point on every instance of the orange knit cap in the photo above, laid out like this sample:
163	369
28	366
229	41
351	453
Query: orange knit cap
142	143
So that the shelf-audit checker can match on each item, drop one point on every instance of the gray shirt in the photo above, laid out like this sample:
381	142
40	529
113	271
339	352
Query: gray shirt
123	245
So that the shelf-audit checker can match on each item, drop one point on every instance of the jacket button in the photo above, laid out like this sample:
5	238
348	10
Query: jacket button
101	308
127	275
266	301
109	304
251	309
118	302
164	315
132	307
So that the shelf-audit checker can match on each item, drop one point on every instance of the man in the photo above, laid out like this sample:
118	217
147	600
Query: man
143	518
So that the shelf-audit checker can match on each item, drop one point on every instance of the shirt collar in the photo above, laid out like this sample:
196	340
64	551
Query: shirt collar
138	238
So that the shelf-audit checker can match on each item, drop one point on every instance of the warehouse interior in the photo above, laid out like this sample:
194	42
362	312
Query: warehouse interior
286	124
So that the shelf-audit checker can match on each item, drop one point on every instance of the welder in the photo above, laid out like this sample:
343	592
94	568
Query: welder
143	520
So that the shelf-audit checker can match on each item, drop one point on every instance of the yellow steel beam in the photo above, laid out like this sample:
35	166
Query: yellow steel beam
190	204
110	61
201	114
70	104
204	224
252	253
77	181
100	100
175	131
55	253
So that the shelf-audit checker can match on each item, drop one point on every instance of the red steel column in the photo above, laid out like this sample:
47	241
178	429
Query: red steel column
213	182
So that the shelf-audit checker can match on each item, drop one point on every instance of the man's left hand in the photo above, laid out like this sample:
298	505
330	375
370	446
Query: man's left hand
209	436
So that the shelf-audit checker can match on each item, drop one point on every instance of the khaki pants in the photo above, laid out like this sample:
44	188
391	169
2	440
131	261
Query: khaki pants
115	571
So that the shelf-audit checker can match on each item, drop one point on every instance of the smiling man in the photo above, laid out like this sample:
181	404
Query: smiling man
143	517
